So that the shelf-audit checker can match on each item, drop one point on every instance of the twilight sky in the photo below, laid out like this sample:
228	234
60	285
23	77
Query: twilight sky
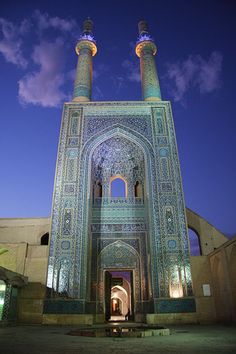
196	66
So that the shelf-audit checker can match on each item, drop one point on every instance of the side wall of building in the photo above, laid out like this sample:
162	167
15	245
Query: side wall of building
28	230
216	271
209	237
21	252
223	269
202	276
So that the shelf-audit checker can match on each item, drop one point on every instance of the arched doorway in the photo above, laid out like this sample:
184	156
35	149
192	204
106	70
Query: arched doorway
119	280
120	302
118	295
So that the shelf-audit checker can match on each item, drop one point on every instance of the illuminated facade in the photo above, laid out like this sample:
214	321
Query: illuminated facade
114	252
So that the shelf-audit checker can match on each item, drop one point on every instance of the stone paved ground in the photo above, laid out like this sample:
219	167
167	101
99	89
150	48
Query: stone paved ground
51	339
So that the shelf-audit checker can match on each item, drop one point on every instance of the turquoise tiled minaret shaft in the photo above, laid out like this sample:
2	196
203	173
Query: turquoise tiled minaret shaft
146	50
86	49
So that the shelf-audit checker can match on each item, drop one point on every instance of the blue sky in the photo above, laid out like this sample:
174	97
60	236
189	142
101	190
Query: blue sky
196	66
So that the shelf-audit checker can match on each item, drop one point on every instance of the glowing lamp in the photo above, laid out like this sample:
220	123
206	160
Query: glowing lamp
176	291
175	285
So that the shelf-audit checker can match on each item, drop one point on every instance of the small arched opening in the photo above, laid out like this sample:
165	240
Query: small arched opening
118	187
232	272
2	297
138	190
97	191
194	243
44	239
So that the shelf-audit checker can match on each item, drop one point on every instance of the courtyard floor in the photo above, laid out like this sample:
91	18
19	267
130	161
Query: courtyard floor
54	339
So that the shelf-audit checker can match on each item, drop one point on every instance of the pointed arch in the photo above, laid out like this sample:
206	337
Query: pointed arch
117	129
133	136
138	190
118	177
120	288
194	242
44	239
118	254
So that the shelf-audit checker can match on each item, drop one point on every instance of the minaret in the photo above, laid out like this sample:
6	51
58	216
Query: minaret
86	48
146	50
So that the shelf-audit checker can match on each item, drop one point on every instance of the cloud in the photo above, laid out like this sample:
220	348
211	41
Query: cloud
209	76
100	70
118	83
44	21
131	65
133	71
70	75
43	82
11	42
97	93
194	73
44	87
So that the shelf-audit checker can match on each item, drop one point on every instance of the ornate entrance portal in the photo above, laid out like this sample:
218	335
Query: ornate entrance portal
119	244
119	277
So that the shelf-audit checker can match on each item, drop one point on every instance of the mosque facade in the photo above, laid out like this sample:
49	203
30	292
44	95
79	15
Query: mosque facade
119	242
135	243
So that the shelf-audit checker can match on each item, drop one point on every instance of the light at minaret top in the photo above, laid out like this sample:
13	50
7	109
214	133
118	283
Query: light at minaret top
146	50
87	35
86	48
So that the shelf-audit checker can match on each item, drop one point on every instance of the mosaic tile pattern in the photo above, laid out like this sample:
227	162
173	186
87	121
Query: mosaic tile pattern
175	306
82	87
63	307
135	140
149	78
